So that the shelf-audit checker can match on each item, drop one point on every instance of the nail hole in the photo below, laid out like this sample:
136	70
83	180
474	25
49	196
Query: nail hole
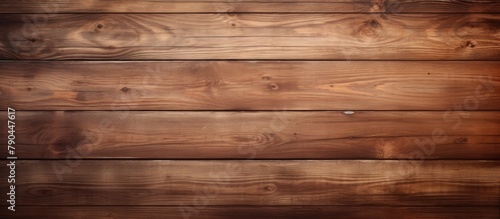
32	40
99	26
125	89
29	89
428	73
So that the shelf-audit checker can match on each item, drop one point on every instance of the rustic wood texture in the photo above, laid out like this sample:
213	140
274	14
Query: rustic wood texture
246	212
201	85
188	183
250	36
287	6
219	109
248	135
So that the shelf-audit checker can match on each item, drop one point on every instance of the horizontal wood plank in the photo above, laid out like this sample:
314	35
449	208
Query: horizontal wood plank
244	212
204	6
247	135
250	36
201	85
188	183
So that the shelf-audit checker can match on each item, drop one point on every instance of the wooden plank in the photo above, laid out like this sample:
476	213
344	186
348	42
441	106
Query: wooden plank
204	6
247	135
250	36
188	183
202	85
224	212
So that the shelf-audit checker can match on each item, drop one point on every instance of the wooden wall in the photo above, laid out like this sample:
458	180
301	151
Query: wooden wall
252	109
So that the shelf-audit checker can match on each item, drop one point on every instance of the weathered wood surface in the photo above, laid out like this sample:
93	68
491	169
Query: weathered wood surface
250	36
270	212
221	6
202	85
348	182
247	135
252	109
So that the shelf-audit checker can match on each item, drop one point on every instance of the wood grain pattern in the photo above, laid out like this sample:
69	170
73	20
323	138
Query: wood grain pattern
202	85
246	212
247	135
219	109
251	36
188	183
188	6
